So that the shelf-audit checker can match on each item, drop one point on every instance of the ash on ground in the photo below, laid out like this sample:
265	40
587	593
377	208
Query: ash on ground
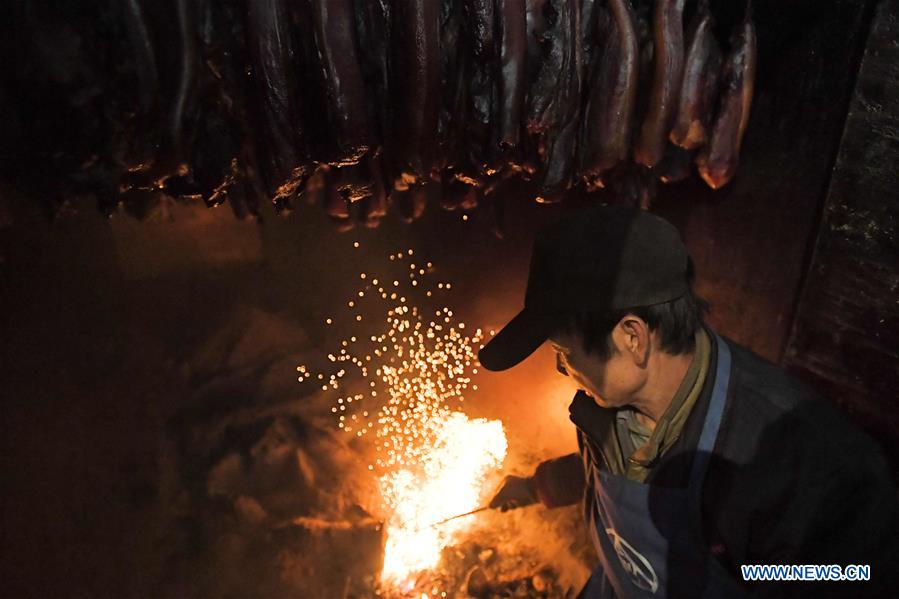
263	497
532	552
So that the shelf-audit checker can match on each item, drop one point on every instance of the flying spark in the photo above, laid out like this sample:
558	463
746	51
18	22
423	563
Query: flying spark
413	371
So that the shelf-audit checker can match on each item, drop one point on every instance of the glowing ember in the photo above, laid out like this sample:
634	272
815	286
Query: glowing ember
448	483
432	459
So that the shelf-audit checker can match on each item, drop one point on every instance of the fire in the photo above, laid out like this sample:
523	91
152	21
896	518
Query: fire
432	459
448	482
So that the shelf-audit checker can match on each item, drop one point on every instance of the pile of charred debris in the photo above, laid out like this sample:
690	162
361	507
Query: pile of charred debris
258	495
262	496
360	106
494	566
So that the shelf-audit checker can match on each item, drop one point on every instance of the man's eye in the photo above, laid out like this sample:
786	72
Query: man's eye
560	364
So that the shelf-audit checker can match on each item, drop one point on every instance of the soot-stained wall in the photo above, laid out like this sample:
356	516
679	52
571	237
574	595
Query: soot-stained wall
846	332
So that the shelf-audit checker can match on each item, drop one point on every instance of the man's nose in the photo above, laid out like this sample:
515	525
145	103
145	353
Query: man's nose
559	366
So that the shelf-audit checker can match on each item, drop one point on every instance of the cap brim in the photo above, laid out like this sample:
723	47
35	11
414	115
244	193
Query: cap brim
516	341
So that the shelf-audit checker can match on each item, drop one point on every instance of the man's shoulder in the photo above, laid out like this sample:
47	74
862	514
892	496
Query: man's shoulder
771	408
770	388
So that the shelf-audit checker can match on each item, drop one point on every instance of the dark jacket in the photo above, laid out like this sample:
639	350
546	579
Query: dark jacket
790	480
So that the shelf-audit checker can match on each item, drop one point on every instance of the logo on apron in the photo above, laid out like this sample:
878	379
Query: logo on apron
637	567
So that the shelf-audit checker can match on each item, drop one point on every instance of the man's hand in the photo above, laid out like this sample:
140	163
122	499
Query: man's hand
514	492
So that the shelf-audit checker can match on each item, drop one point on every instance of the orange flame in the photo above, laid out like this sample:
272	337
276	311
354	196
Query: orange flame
448	483
432	459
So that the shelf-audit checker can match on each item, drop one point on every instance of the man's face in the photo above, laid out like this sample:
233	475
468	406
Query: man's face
611	383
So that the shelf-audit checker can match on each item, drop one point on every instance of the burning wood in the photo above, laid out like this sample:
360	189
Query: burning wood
459	456
431	459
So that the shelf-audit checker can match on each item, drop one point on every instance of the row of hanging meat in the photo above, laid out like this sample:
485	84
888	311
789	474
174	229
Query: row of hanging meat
361	105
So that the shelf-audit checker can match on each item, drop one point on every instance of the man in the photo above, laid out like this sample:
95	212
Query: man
696	455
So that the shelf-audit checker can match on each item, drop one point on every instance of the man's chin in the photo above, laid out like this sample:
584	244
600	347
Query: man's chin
594	396
598	400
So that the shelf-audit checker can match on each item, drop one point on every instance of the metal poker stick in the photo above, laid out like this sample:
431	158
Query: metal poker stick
480	509
506	506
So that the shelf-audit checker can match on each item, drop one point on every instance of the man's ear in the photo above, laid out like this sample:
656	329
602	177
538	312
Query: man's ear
633	338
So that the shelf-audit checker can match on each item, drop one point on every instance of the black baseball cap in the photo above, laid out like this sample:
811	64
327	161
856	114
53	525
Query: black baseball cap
592	260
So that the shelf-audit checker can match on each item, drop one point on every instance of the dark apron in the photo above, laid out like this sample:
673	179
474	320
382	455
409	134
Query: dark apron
649	539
